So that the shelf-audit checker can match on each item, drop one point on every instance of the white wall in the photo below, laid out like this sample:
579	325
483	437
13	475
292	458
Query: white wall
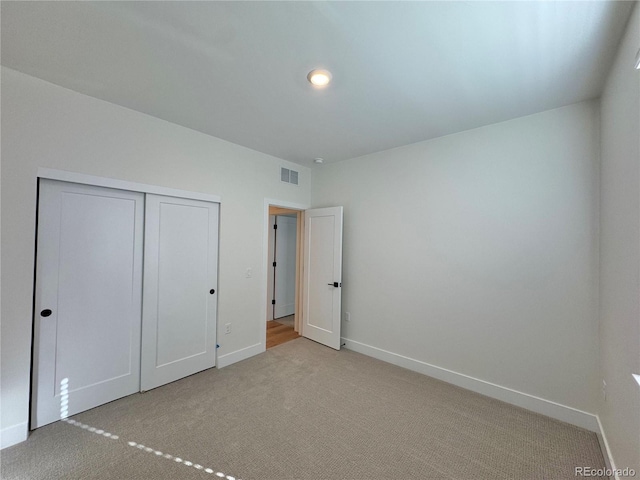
620	252
477	253
44	125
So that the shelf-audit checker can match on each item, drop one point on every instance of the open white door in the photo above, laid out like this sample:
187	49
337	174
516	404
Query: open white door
323	275
180	289
88	298
285	269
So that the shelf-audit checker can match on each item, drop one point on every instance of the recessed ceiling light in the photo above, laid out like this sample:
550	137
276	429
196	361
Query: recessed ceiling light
319	78
318	160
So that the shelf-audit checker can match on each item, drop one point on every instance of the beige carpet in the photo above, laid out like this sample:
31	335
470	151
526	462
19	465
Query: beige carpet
304	411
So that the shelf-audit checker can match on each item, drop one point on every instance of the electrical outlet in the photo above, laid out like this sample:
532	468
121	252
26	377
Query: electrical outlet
604	391
249	273
347	316
227	328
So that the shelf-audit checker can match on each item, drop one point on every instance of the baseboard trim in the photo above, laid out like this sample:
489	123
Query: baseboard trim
524	400
604	447
13	435
239	355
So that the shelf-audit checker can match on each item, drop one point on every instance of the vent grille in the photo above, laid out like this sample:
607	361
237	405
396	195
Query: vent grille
289	176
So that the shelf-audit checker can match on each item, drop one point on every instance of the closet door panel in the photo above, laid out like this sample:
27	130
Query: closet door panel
179	312
88	298
182	273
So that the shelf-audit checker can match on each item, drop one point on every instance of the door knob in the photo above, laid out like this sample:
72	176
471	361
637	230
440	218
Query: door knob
46	312
212	291
334	284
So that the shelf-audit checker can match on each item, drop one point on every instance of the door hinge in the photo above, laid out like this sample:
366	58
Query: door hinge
273	302
275	226
274	264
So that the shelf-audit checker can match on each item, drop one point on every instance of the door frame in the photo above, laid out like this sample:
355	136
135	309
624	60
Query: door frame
271	202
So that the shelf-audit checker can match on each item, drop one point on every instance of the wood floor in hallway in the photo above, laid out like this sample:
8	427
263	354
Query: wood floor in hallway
279	333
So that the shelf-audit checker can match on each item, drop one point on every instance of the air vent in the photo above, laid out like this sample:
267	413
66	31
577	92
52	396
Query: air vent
289	176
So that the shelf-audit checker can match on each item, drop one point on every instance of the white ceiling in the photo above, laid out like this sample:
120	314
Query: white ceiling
402	71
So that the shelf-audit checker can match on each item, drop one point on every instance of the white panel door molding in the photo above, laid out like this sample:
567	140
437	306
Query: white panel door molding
88	298
180	289
323	275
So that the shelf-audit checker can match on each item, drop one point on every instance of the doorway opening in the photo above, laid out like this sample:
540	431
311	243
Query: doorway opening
318	272
284	267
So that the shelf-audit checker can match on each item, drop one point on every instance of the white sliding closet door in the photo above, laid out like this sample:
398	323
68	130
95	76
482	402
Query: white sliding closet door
88	298
180	283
